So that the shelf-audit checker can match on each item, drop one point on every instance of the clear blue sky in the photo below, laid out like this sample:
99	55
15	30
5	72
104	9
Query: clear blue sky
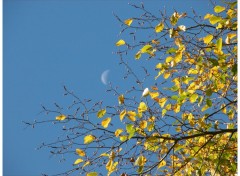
51	43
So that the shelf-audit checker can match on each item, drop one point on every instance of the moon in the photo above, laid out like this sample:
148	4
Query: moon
104	77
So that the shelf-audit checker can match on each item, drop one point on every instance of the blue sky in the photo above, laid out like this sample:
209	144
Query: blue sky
48	44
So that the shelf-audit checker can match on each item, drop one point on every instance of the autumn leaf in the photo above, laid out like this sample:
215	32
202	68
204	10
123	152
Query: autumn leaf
140	161
128	21
61	117
92	174
121	99
146	48
214	19
162	164
122	114
193	98
78	161
131	115
153	94
118	132
106	122
80	152
101	113
142	107
86	164
208	39
120	43
138	55
219	9
143	124
162	102
89	139
159	27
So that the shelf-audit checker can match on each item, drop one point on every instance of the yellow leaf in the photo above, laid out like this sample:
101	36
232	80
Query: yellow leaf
150	127
218	9
152	119
146	48
121	99
159	27
159	66
156	42
154	88
106	122
193	98
120	43
92	174
101	113
162	102
143	124
122	114
207	16
207	39
109	165
224	109
118	132
166	75
104	154
153	94
142	107
164	111
176	108
161	164
140	161
169	59
78	161
145	92
205	108
214	19
192	71
131	115
89	138
87	163
128	21
201	140
138	55
123	138
168	107
178	56
80	152
61	117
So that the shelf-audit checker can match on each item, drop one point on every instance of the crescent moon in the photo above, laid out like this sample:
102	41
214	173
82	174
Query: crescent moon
104	77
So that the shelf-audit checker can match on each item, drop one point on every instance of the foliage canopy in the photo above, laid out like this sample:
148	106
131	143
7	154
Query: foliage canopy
184	123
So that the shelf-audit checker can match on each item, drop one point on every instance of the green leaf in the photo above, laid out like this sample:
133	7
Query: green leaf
174	97
234	69
131	130
209	92
214	62
218	9
209	102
